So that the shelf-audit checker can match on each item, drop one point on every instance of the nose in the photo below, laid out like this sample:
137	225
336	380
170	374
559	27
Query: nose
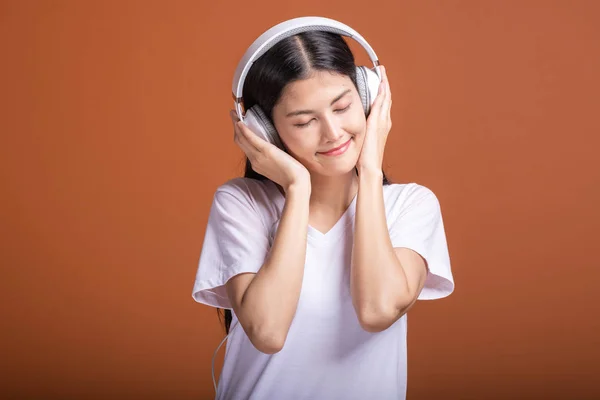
330	131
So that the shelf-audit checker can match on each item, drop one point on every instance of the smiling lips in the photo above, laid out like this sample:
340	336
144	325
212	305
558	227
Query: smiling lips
337	150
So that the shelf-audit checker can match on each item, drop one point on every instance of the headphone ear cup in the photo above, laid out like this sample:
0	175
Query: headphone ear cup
368	83
260	124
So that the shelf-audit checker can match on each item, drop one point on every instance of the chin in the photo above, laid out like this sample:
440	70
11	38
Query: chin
339	173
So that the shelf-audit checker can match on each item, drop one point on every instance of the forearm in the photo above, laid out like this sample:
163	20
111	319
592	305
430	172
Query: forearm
272	296
379	285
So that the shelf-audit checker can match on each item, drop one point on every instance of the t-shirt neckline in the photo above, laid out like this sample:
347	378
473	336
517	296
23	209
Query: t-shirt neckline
316	235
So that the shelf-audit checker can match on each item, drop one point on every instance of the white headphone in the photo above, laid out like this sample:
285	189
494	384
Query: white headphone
367	79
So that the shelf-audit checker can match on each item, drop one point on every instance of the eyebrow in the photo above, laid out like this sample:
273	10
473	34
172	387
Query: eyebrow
301	112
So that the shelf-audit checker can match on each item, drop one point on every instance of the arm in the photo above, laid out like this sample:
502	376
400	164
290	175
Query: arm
266	302
385	281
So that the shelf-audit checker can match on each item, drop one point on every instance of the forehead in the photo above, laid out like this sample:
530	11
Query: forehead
319	88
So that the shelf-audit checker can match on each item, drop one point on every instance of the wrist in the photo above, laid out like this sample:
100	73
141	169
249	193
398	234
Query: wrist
369	173
298	188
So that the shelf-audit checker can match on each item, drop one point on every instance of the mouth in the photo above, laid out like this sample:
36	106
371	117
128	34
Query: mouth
337	150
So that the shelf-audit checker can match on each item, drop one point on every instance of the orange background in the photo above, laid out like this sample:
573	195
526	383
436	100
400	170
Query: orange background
115	134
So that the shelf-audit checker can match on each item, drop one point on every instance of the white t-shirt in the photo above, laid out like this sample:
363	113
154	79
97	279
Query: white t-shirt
327	354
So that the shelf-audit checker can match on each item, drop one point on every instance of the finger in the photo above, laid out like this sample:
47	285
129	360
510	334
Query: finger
387	84
252	138
378	99
233	115
385	94
247	135
388	105
238	137
234	118
243	143
240	134
381	93
383	102
382	83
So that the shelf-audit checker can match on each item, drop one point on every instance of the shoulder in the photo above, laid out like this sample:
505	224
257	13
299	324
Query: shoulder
247	189
403	199
248	195
408	194
241	186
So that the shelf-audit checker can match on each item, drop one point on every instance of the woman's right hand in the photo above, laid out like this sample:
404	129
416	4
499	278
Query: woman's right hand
267	159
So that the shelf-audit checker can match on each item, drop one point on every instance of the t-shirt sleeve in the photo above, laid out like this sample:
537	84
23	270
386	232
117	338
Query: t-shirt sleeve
236	241
418	225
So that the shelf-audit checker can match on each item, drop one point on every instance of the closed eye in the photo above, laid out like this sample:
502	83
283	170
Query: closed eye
343	109
339	111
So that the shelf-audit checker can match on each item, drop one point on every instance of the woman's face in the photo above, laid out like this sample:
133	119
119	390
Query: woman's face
319	114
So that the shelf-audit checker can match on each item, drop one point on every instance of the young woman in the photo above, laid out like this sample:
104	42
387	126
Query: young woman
315	256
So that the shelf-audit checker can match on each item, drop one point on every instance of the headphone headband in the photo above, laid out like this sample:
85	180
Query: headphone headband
286	29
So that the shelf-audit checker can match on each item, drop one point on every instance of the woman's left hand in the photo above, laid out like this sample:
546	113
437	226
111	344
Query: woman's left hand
379	124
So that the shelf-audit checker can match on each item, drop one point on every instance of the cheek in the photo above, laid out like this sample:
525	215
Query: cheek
357	124
299	142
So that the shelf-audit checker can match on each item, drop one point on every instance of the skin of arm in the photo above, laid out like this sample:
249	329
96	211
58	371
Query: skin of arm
266	302
385	281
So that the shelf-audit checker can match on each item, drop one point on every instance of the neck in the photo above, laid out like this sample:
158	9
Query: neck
333	193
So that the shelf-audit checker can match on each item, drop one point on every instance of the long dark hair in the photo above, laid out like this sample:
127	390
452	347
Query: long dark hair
292	59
